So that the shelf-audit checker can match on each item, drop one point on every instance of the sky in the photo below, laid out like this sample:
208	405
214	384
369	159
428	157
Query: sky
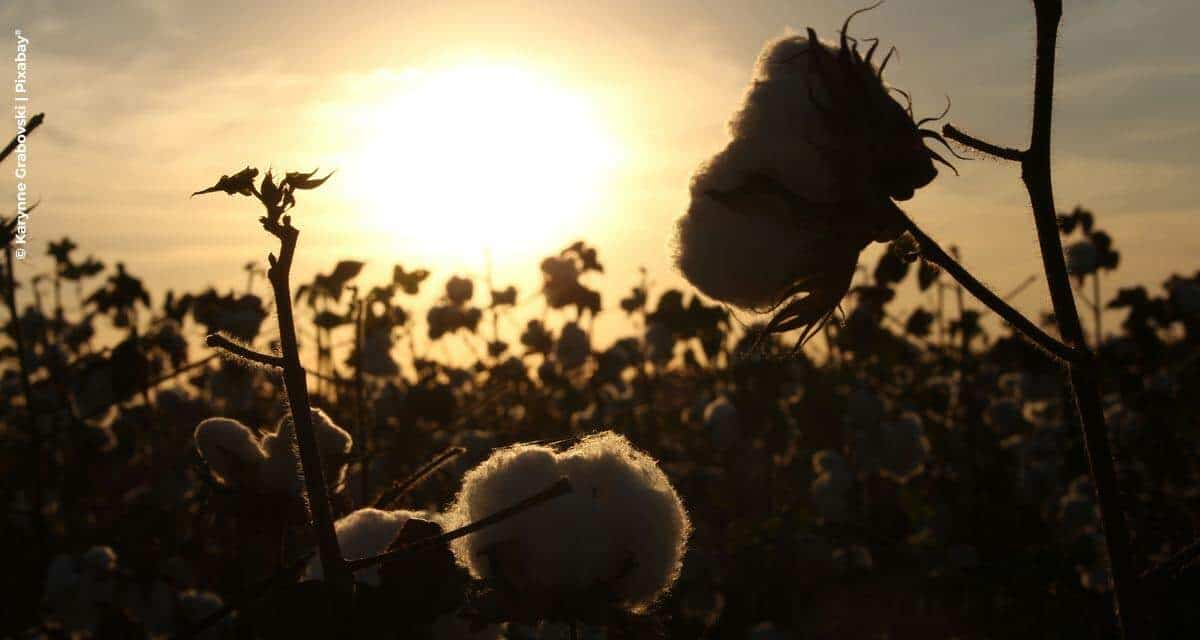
563	121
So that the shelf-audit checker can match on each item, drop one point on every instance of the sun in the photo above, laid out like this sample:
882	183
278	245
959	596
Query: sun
482	159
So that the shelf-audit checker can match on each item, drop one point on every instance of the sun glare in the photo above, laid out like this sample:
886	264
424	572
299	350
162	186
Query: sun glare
483	158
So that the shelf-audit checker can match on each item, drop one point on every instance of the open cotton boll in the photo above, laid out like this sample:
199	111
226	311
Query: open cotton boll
230	448
365	533
335	444
281	471
623	525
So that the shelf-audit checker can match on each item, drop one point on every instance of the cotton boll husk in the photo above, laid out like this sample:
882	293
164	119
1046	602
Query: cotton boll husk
623	522
229	447
365	533
723	423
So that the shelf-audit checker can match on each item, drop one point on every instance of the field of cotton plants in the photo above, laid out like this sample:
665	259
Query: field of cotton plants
780	452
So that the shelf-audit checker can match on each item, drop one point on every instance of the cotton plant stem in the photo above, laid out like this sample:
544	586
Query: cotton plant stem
296	386
1082	370
934	253
1035	172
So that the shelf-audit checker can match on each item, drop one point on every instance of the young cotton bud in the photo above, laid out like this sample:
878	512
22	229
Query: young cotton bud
230	448
363	534
622	529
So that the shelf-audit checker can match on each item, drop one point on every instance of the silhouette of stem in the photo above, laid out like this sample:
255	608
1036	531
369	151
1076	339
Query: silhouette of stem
934	253
1083	369
559	488
296	386
30	125
1004	153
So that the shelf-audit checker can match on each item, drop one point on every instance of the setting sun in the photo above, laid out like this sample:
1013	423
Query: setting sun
480	158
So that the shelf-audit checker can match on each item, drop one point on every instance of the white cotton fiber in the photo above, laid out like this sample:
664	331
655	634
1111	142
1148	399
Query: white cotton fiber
229	447
622	525
365	533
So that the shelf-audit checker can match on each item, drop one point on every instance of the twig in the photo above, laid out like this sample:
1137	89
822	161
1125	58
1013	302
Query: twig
559	488
935	254
402	487
218	341
1004	153
33	123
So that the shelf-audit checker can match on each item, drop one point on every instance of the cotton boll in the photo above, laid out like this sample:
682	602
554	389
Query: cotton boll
830	492
723	423
281	472
362	534
864	408
231	450
790	202
622	525
335	444
573	348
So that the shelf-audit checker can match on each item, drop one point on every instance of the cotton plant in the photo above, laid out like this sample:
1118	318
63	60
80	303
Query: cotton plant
819	155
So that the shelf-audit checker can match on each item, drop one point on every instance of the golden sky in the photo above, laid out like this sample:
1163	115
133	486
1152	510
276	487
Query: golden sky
467	129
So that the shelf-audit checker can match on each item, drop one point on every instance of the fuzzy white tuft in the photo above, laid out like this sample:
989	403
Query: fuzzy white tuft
229	447
365	533
622	525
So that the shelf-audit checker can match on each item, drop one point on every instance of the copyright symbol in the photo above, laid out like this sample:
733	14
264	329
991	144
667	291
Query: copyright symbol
20	253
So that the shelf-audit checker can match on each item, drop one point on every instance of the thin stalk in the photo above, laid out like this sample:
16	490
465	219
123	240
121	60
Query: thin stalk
1036	174
1097	308
296	386
934	253
402	487
1083	369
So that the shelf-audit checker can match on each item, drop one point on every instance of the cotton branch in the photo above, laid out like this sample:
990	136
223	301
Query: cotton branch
220	342
559	488
934	253
1004	153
